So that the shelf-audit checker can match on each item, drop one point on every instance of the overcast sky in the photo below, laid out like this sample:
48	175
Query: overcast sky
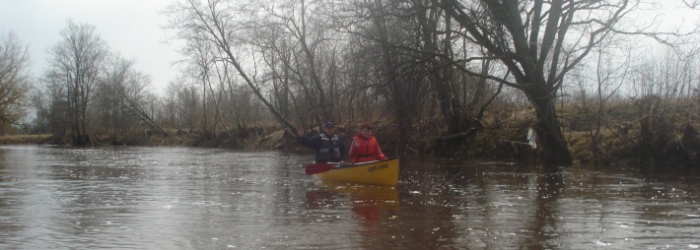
131	28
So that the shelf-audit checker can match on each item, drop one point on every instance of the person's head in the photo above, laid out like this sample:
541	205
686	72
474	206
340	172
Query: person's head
366	130
329	128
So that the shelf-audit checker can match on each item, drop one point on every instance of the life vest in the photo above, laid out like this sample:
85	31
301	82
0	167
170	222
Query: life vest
365	149
329	150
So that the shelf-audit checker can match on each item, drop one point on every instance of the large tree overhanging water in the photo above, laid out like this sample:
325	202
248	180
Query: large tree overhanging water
303	43
539	42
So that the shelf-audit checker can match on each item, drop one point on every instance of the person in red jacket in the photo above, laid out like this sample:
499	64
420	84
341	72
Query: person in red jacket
365	147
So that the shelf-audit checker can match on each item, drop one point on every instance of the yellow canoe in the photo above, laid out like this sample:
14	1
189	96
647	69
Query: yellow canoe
384	172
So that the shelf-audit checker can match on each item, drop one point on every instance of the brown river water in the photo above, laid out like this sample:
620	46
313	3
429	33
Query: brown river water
194	198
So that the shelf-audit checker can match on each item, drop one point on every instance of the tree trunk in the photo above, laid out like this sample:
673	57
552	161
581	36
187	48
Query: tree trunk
396	87
554	149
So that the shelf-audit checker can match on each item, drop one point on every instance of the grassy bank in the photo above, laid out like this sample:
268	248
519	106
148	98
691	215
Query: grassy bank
638	132
24	139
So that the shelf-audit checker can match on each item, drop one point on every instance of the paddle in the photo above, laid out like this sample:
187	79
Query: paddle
320	167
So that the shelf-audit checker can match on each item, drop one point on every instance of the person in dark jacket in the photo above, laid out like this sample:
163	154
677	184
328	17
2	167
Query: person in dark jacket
329	146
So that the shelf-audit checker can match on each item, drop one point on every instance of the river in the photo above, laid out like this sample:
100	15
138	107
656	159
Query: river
196	198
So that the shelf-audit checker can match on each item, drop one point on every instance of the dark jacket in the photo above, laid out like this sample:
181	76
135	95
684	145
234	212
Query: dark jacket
328	148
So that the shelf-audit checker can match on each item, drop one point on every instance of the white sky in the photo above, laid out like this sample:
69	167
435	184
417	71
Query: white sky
131	28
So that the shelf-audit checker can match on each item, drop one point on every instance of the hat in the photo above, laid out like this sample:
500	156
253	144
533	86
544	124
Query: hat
329	125
366	126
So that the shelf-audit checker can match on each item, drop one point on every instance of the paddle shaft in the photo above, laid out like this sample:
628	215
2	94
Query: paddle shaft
318	168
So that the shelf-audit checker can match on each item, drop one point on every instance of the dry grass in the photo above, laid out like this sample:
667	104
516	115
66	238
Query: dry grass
25	139
644	130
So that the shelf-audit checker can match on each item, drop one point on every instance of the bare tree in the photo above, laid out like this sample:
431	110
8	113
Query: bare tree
109	108
76	61
610	74
189	108
296	19
14	80
396	89
120	97
52	107
216	24
692	3
539	42
167	111
200	61
387	69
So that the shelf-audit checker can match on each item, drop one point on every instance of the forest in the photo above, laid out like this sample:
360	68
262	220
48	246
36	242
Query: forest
452	78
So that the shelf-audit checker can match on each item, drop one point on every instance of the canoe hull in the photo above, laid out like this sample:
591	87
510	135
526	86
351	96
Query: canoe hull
384	172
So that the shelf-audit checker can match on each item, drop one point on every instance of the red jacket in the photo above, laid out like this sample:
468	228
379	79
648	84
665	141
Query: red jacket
365	149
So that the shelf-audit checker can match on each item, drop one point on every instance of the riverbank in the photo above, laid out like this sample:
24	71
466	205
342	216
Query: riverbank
25	139
626	133
645	142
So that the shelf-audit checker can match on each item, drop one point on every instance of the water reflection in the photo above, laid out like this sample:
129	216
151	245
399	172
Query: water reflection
370	204
185	198
546	227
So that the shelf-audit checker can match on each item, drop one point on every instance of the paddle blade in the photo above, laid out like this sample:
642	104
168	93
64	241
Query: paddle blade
318	168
